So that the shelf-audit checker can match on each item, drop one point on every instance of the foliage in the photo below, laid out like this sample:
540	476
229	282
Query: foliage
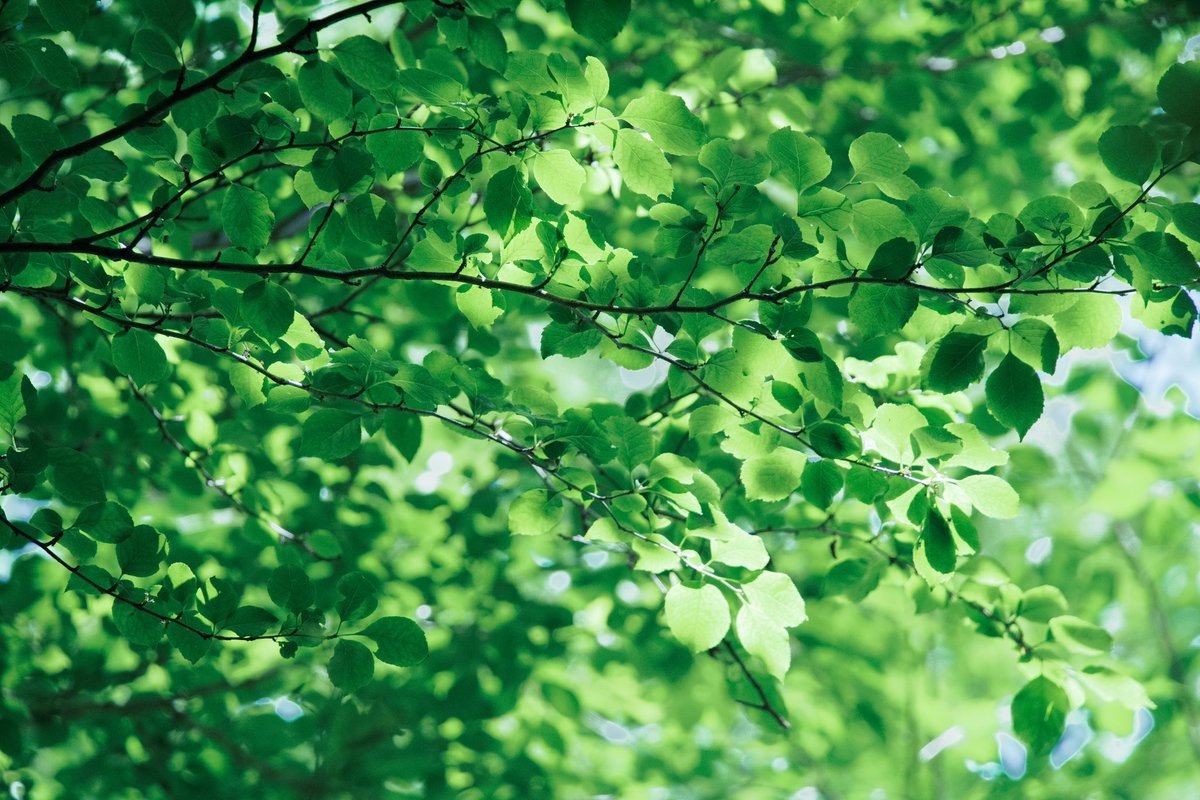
472	398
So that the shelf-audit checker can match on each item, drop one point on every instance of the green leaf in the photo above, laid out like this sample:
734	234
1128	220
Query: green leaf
1080	636
290	588
801	159
601	20
399	641
1091	321
366	62
138	553
644	168
820	483
1014	394
137	354
830	440
1187	219
699	618
1128	152
881	308
1042	603
776	596
668	121
1035	343
957	362
324	91
741	550
834	8
331	434
403	430
771	477
877	156
568	341
559	175
1166	258
730	169
12	404
893	260
431	88
1177	92
352	666
268	309
1039	713
357	596
190	645
1052	218
634	443
139	627
395	151
65	15
105	522
960	247
991	495
155	50
508	203
247	218
936	543
535	513
764	638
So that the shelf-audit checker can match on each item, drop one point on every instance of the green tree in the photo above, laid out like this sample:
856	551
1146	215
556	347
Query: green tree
497	399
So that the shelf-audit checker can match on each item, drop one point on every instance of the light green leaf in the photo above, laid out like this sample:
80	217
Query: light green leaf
741	550
535	513
698	617
877	156
1080	636
668	121
777	597
801	159
1042	603
764	638
432	88
772	477
560	176
644	168
991	495
1035	343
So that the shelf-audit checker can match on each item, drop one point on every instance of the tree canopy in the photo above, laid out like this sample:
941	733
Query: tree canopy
566	399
